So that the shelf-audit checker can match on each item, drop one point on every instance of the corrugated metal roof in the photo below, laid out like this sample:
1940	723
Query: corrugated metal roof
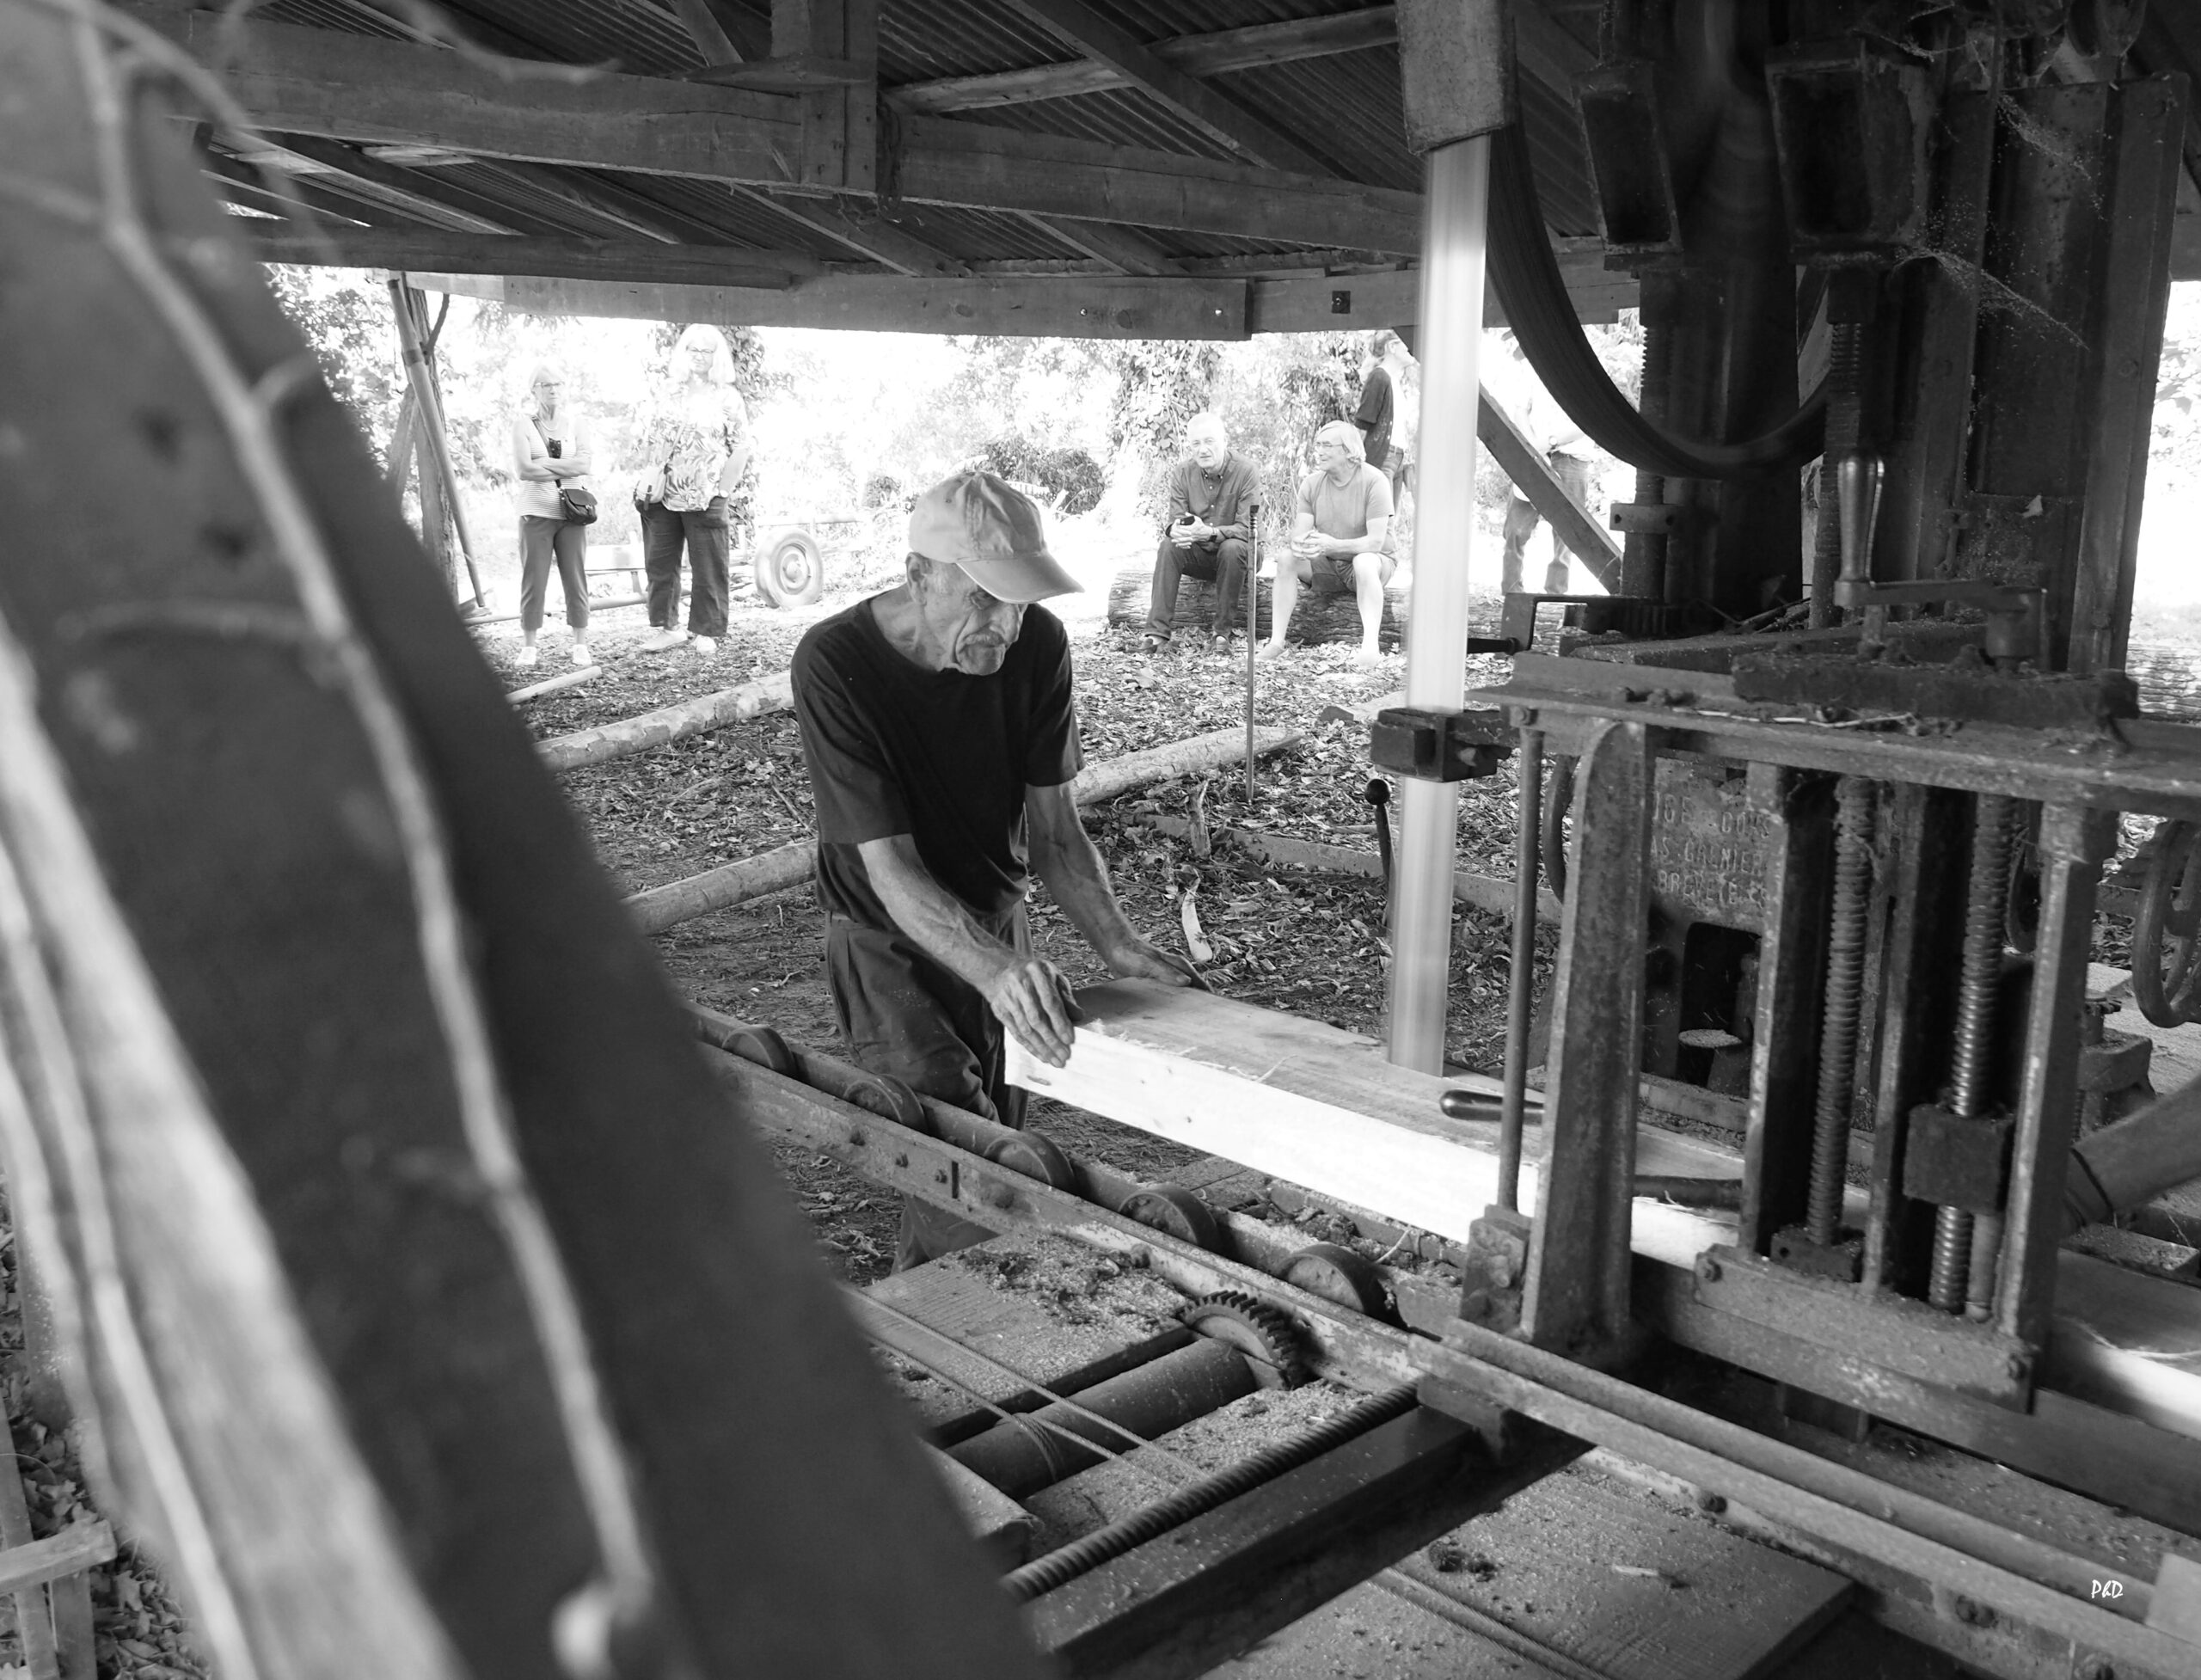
1343	107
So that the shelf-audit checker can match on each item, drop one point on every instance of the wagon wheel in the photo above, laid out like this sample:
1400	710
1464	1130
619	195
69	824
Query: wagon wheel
2166	935
790	568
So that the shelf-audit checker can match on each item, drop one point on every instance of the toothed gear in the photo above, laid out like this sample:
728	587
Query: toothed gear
1268	1335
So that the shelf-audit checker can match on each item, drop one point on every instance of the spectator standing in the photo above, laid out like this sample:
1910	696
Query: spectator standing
695	445
551	446
1548	428
1381	395
1208	533
1341	538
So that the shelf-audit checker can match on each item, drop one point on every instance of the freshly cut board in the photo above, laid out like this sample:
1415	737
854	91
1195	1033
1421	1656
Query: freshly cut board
1320	1107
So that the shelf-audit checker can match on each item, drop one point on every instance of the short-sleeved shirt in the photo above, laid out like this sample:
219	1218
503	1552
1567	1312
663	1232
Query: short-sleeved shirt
531	442
1343	510
691	431
937	755
1373	417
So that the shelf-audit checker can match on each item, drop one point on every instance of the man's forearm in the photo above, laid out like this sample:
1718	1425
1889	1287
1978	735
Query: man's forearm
1074	873
941	924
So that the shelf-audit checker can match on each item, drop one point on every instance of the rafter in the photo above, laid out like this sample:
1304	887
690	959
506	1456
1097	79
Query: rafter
1206	108
422	193
875	239
707	32
1125	249
375	92
1214	54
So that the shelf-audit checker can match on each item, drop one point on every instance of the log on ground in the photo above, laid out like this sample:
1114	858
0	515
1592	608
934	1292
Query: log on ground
566	679
668	723
790	865
1317	618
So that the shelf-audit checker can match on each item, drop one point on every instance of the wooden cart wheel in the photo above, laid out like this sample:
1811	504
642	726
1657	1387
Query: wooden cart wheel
2167	934
790	568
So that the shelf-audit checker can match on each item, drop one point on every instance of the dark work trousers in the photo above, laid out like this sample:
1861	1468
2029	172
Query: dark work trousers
710	547
542	541
1222	563
902	1014
1572	473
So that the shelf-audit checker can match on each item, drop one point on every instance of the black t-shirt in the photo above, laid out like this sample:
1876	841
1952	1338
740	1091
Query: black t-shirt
1373	417
937	755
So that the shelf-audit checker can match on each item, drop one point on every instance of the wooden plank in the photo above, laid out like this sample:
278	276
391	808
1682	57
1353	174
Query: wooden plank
611	260
563	680
707	32
1629	1590
1107	42
1321	1107
354	88
1215	54
1525	463
34	1627
417	192
1083	306
1392	297
1126	249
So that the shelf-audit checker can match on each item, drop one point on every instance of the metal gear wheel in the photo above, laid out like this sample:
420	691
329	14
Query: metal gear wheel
1267	1335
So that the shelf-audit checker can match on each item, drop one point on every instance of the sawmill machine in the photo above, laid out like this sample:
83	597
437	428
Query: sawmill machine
1850	801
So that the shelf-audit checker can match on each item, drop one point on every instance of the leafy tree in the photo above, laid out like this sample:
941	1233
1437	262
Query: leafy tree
349	330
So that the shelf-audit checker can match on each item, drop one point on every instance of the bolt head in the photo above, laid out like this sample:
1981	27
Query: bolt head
1707	1269
1710	1503
2094	1667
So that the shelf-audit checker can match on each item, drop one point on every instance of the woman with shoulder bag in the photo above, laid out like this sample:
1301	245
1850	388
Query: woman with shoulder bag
694	447
550	455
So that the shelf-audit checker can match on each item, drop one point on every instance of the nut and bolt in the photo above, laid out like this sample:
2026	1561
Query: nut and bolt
2094	1666
1970	1611
1707	1269
1709	1503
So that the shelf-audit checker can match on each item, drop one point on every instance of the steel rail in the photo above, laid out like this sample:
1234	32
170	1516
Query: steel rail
2029	1580
2026	1579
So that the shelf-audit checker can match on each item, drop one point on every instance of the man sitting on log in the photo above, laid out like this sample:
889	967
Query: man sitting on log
1341	538
1209	532
941	738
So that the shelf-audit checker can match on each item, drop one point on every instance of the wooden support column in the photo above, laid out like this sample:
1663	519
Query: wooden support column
839	124
1575	1299
435	459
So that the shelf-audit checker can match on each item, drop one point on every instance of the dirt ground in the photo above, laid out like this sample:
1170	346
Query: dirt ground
1291	940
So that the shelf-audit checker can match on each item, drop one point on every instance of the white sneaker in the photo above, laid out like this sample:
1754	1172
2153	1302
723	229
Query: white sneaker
662	641
526	658
581	655
705	645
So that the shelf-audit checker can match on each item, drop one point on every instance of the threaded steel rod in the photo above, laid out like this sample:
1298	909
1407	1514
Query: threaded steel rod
1986	897
1520	984
1845	976
1088	1553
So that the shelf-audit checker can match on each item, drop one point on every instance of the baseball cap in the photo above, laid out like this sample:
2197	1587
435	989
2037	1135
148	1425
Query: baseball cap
992	531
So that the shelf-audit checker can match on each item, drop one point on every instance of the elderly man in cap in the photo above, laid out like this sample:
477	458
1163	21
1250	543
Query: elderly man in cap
941	739
1340	537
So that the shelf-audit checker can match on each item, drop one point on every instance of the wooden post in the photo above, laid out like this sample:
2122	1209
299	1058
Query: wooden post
421	375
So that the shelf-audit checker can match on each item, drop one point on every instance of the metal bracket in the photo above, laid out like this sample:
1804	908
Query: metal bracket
1434	745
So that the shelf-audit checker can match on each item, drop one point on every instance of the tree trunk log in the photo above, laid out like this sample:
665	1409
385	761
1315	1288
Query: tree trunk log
668	723
565	679
791	865
1316	618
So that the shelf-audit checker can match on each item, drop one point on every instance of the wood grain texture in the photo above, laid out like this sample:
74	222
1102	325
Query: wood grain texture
1319	1106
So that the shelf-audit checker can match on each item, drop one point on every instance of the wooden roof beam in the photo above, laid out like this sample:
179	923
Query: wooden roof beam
1206	108
616	261
382	93
242	184
709	34
1215	54
1081	306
